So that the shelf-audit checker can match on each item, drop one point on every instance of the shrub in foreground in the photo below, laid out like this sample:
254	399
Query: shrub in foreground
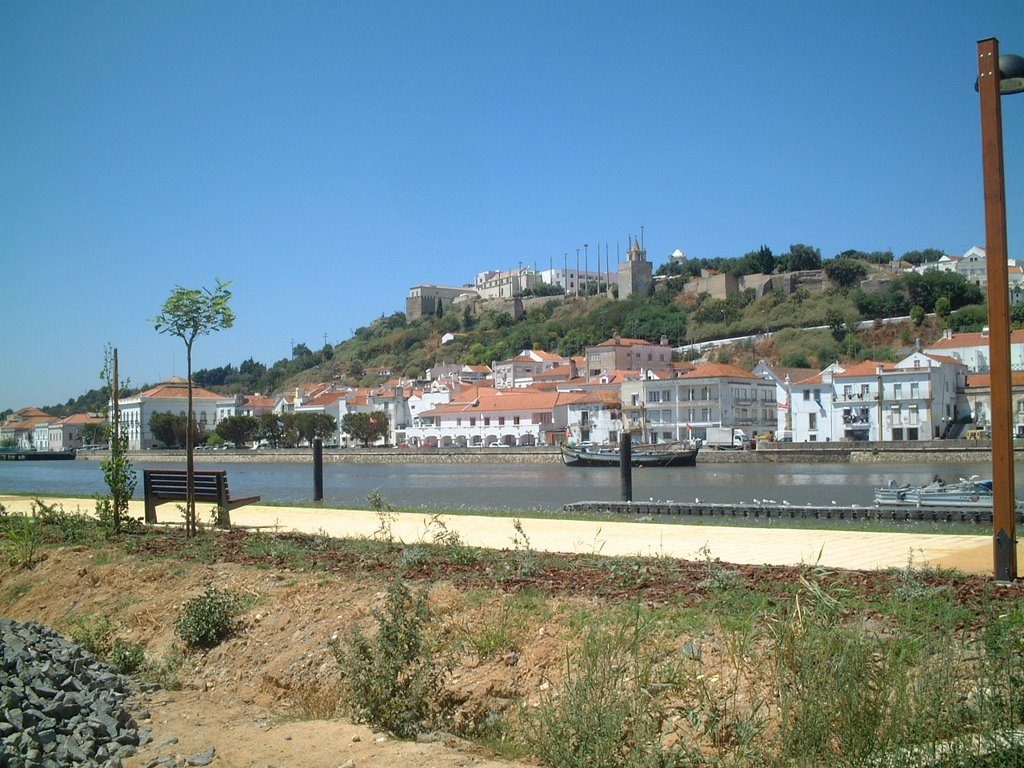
393	680
207	620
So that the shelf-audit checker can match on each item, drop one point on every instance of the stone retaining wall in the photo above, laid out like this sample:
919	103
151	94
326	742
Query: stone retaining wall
779	453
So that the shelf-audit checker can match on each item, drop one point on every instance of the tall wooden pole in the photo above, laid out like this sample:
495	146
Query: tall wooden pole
626	466
1004	537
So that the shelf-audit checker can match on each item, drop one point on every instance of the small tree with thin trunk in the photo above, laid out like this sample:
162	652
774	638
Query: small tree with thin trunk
117	468
188	314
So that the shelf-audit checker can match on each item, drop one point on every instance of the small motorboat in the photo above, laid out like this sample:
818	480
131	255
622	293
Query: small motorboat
973	493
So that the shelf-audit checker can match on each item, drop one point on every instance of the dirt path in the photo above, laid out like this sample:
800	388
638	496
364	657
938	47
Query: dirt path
850	549
188	723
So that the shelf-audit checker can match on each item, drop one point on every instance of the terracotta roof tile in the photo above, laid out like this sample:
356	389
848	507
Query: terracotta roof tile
959	340
983	380
624	342
178	387
864	368
719	371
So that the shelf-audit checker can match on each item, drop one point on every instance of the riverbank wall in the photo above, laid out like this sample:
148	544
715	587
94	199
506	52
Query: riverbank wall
959	452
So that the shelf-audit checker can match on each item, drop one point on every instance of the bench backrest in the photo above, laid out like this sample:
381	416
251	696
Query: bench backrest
209	484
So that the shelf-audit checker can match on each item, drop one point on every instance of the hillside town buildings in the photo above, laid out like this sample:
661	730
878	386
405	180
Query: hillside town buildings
541	398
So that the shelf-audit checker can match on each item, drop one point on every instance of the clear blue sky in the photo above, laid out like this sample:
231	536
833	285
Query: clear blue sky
326	156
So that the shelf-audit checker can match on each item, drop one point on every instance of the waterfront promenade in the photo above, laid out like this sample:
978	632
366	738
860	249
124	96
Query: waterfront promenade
743	545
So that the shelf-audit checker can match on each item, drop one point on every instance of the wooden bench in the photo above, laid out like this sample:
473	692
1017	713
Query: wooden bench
211	485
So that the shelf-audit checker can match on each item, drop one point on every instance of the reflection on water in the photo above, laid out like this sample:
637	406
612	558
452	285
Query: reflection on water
514	486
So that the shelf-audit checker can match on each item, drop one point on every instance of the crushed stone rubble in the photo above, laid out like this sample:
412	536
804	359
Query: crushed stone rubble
59	705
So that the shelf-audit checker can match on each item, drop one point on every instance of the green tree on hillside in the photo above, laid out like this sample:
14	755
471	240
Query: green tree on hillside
874	257
759	262
845	272
922	257
800	257
968	319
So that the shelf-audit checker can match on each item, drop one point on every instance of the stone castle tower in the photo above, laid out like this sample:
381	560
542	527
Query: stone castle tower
635	274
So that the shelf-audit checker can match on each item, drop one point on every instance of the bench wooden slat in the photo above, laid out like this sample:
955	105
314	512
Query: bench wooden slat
210	485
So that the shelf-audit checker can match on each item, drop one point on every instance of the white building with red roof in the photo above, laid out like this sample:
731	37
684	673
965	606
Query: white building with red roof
972	349
622	354
912	400
170	396
978	401
19	429
593	417
522	370
487	417
66	434
660	409
245	405
783	378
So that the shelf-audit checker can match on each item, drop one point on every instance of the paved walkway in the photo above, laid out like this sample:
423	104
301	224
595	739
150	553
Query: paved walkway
751	545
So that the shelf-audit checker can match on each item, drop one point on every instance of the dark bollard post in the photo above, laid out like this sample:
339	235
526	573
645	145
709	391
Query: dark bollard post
626	466
318	469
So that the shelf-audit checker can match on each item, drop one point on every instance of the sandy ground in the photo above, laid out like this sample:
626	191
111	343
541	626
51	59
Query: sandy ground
747	545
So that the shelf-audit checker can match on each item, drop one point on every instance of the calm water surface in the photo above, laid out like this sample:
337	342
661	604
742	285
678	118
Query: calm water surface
512	486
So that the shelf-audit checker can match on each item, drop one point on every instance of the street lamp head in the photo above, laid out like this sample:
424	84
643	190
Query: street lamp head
1011	74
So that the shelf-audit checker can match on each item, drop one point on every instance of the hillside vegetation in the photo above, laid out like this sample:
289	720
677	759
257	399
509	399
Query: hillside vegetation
479	333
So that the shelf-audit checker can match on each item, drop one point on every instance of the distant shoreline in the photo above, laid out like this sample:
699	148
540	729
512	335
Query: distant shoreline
775	453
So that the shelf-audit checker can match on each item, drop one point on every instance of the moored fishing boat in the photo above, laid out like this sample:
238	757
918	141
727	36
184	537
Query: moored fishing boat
33	455
668	455
973	492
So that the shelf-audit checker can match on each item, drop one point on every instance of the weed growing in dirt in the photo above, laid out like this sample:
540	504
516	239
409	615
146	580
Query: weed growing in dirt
453	548
525	561
13	594
209	619
282	550
719	578
413	556
605	711
913	581
492	638
163	671
393	680
1004	663
385	516
97	635
21	540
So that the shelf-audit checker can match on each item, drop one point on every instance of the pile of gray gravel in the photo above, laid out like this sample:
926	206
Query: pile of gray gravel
60	706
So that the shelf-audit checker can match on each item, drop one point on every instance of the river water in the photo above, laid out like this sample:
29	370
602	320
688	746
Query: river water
511	486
